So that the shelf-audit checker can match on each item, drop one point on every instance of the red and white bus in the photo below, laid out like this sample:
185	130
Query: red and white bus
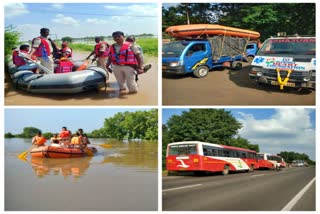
207	157
268	161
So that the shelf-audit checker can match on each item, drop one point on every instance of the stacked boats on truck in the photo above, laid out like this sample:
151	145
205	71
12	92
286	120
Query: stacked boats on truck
82	77
200	48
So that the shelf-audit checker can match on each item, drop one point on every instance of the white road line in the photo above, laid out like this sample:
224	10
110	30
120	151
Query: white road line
167	190
296	198
257	175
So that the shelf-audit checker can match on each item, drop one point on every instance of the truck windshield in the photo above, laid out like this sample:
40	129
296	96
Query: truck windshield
183	149
173	49
292	46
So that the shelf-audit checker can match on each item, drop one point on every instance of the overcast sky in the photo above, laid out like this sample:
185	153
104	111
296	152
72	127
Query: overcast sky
81	19
274	130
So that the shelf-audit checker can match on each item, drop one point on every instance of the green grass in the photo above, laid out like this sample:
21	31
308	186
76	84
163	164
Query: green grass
149	46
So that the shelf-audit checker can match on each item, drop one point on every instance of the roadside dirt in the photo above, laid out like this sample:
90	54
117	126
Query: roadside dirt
227	87
147	95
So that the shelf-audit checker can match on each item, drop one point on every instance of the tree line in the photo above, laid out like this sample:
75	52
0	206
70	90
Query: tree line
123	125
266	18
216	126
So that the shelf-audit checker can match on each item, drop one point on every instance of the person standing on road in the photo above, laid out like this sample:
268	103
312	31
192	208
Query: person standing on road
100	52
42	48
126	61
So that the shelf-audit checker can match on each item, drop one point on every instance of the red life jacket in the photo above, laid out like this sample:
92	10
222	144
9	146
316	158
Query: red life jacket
64	66
17	60
125	56
64	134
97	49
65	49
44	46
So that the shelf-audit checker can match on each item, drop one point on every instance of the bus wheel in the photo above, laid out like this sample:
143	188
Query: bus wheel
225	170
251	168
201	71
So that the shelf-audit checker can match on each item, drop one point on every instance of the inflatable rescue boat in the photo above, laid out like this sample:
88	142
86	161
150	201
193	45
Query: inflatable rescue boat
59	83
58	151
199	30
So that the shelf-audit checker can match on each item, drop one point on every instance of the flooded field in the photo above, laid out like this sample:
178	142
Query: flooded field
148	91
120	178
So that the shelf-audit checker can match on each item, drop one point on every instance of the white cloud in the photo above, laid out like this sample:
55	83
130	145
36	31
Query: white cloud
97	21
65	20
28	31
57	6
288	129
112	7
15	9
142	10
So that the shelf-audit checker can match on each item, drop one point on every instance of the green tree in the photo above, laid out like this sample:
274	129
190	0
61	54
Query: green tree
66	39
208	125
9	135
11	39
29	132
244	143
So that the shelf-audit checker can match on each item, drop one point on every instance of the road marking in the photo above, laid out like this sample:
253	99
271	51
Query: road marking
257	175
167	190
296	198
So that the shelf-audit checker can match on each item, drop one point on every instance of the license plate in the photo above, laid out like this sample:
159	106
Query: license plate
164	67
289	84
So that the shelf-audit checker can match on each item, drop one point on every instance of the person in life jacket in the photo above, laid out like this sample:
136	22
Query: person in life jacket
76	141
42	48
132	40
126	61
19	61
38	139
65	136
100	52
64	63
83	138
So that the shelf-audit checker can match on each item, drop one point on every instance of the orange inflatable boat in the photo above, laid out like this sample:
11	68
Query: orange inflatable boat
57	151
198	30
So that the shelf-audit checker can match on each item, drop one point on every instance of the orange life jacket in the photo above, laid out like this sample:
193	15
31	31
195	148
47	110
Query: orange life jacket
97	49
64	134
75	141
125	56
44	48
41	141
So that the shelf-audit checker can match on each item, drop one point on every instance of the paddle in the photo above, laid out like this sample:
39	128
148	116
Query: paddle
48	71
24	154
104	145
88	151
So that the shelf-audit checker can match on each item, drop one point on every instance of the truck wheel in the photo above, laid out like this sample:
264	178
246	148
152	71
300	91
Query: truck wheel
236	65
201	71
249	59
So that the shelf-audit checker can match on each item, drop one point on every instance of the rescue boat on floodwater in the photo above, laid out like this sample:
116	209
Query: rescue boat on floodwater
58	151
198	30
63	83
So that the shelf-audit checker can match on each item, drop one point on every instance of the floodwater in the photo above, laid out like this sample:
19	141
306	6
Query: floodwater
120	178
147	95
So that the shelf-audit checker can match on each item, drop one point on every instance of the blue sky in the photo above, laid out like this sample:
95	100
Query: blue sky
274	130
81	19
51	120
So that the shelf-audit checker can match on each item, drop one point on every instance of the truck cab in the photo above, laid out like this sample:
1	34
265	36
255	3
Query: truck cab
251	51
286	61
193	56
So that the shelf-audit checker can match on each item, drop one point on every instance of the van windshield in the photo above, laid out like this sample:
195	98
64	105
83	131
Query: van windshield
183	149
290	46
174	49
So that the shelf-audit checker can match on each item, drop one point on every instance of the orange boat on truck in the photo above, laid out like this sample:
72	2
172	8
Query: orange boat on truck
200	30
57	151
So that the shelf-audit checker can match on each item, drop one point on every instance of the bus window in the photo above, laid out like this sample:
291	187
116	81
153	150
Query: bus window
244	155
220	153
183	149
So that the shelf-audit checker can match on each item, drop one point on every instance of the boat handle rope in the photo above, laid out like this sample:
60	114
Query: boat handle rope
280	81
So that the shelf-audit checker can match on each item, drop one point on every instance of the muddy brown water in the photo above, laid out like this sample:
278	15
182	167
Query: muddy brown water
147	95
227	87
121	178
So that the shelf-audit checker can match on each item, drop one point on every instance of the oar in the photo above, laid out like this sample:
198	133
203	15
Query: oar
104	145
48	71
88	151
24	154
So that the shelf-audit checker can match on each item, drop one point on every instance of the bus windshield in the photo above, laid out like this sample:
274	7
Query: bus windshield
291	46
183	149
174	49
260	156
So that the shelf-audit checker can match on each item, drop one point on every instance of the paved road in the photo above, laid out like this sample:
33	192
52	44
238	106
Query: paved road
228	88
265	190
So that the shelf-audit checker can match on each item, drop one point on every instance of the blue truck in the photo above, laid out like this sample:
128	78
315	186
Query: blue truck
201	56
251	51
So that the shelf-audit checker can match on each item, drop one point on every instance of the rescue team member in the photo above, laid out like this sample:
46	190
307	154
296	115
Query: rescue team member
38	139
19	61
125	59
42	49
64	52
132	40
76	141
83	138
55	139
100	52
65	136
